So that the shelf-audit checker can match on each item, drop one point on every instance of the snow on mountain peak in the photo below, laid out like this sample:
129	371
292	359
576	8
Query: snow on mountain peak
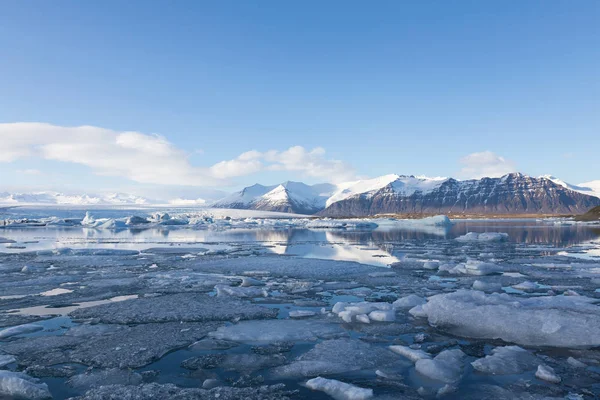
403	184
590	188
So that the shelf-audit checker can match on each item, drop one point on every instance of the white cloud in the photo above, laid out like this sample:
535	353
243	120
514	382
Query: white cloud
312	163
29	171
485	164
152	158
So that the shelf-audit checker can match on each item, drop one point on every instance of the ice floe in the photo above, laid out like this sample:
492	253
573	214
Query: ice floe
483	237
557	321
506	360
17	385
446	367
547	374
339	390
278	331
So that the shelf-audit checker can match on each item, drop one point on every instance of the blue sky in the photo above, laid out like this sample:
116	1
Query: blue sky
406	87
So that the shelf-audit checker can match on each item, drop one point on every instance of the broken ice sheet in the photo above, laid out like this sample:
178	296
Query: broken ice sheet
176	307
338	356
554	321
278	331
126	347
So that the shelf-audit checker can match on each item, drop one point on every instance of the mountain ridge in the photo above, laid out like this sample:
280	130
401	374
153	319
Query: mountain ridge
513	193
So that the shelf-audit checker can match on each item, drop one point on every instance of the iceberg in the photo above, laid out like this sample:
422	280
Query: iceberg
339	390
446	367
19	330
559	321
483	237
506	360
17	385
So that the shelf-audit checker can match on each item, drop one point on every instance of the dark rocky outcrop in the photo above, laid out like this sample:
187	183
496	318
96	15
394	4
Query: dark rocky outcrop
592	215
511	194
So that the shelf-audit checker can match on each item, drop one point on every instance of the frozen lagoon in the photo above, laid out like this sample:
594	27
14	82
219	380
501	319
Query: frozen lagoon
198	311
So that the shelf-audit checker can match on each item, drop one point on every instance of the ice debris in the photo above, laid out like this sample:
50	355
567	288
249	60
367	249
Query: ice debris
336	357
176	307
547	374
446	367
339	390
558	321
381	311
277	331
483	237
409	301
170	391
413	355
17	385
19	330
506	360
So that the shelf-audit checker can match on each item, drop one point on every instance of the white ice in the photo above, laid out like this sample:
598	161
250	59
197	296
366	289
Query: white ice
483	237
19	330
547	374
506	360
381	311
446	367
412	354
277	331
339	390
559	321
17	385
409	301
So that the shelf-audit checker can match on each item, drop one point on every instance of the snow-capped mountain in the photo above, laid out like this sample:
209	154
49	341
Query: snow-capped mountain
293	197
55	198
389	194
590	188
511	194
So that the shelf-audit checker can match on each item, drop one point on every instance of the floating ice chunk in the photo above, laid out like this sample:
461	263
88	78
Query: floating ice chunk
487	286
418	311
506	361
302	313
170	391
409	301
526	286
339	307
339	390
177	307
56	292
337	357
385	274
278	331
248	281
135	220
576	363
547	374
96	378
382	315
238	291
433	265
112	224
446	367
88	220
348	311
5	240
472	267
412	354
17	385
29	269
19	330
559	321
483	237
363	318
6	359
